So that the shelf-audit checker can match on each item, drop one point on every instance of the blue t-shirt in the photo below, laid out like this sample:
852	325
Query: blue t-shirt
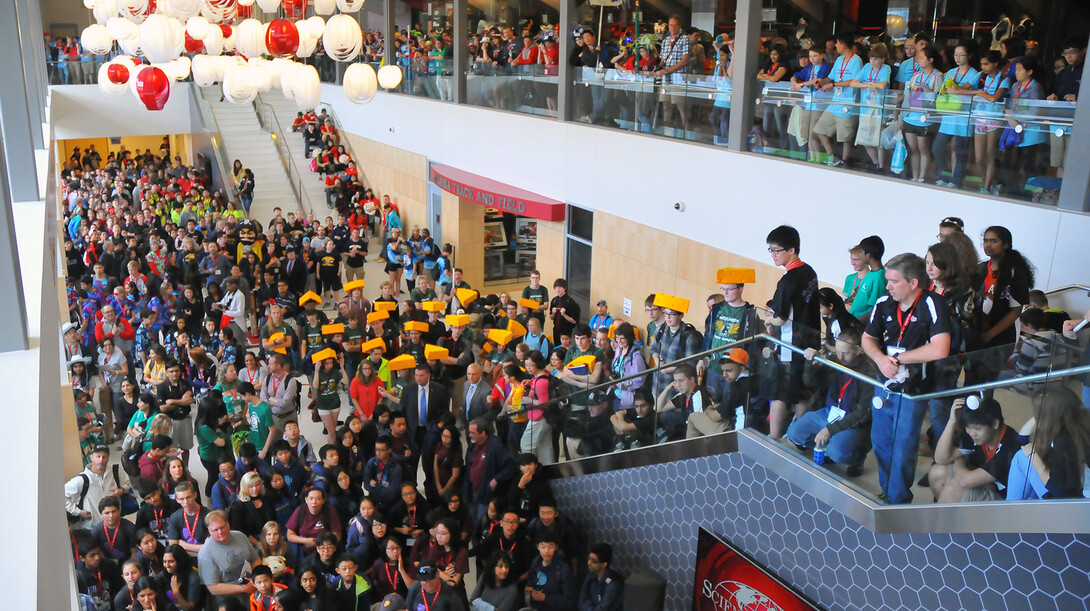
928	85
907	70
990	85
844	71
872	97
958	125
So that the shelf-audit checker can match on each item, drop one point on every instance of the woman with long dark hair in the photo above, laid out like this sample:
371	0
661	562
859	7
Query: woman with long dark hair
836	316
498	585
1004	282
180	581
392	572
213	438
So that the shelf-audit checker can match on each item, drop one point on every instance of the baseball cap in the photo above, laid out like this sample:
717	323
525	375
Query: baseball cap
737	355
427	570
602	302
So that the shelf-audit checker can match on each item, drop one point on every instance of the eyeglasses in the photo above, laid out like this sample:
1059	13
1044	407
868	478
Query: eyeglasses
776	251
506	521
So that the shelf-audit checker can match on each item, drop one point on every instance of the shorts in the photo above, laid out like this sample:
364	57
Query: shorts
788	382
923	131
181	433
985	126
831	125
1058	151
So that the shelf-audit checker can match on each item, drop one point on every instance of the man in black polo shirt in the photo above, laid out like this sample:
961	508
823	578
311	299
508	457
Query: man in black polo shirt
563	311
176	400
908	329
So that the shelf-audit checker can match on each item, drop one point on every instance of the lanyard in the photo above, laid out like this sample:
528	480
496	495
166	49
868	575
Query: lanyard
794	264
511	551
109	541
992	80
196	522
412	516
249	377
275	386
843	389
907	319
424	596
1019	90
844	65
391	579
959	75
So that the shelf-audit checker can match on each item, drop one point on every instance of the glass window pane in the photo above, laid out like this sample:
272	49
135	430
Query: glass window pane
514	53
581	223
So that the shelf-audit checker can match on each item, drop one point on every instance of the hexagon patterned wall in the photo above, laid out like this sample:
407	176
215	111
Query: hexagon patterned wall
651	514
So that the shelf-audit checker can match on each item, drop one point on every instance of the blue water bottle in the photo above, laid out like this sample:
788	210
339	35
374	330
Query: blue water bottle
819	454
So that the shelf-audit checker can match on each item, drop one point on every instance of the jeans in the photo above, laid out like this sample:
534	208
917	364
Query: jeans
942	159
1023	482
940	415
848	447
895	435
246	201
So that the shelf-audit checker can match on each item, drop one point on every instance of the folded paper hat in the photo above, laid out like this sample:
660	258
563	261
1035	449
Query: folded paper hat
501	337
457	320
416	325
466	296
531	304
735	275
371	345
433	306
385	306
275	337
587	360
332	329
434	353
374	317
516	328
309	296
322	355
405	361
355	284
670	302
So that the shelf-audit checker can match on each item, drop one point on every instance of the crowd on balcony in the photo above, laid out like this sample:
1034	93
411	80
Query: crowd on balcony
196	329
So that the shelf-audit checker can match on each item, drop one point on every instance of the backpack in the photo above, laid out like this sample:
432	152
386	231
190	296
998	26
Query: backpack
294	399
558	391
130	458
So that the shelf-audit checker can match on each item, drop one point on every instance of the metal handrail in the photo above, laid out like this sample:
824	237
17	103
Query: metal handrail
211	125
954	392
271	124
1069	287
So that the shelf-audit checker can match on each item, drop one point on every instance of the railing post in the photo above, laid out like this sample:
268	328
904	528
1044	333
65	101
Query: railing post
1075	189
388	33
744	63
564	74
461	50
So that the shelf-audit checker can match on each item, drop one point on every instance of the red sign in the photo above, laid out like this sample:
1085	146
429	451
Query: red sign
494	194
727	580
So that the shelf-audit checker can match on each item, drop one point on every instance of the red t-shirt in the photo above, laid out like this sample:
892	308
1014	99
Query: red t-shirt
306	524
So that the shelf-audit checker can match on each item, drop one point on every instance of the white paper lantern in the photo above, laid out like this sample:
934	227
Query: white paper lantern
96	39
179	68
389	76
197	27
251	38
269	6
89	4
213	40
260	75
245	2
110	88
237	85
360	83
135	11
104	10
324	7
119	28
349	6
162	38
182	9
230	42
343	38
130	46
203	69
307	87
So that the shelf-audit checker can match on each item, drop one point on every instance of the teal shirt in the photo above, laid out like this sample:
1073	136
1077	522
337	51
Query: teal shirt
261	421
867	291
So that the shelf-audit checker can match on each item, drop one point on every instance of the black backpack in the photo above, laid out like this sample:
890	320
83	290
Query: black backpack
130	459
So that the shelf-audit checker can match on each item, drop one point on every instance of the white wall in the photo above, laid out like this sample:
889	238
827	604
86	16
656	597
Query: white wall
731	199
83	111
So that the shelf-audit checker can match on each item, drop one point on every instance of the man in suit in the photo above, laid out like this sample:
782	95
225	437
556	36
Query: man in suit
473	403
294	271
424	402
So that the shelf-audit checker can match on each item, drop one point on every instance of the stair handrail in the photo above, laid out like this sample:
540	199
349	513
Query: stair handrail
1069	287
266	117
211	125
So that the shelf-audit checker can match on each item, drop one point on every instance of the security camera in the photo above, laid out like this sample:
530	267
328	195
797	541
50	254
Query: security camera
679	206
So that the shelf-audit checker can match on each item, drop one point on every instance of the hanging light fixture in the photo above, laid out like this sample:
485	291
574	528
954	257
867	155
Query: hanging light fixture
343	38
389	76
360	83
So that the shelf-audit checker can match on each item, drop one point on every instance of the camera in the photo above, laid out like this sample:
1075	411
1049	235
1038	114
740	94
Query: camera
679	206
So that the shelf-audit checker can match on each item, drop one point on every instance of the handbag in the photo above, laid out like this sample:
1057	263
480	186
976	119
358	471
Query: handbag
1009	138
313	407
948	102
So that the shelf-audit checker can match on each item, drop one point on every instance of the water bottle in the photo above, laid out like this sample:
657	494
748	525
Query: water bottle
819	454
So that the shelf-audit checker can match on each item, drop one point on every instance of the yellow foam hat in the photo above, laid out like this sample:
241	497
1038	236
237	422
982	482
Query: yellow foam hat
735	275
416	325
516	328
322	355
309	296
587	359
385	306
277	337
355	284
332	329
374	317
457	320
371	345
530	304
433	306
405	361
670	302
434	353
501	337
466	296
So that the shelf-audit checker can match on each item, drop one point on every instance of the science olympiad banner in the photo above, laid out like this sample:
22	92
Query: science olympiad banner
727	580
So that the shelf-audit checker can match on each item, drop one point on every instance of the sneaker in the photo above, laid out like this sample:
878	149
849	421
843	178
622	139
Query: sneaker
996	189
944	184
985	191
883	499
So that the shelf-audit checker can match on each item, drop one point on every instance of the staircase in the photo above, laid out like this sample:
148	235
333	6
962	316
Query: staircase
313	187
244	140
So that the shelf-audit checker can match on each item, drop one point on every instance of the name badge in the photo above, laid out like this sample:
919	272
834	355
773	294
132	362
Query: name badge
835	413
894	350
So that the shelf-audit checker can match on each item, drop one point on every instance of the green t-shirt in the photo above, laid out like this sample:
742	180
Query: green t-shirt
260	422
234	401
867	291
328	385
571	355
727	325
206	444
313	337
422	296
352	335
139	418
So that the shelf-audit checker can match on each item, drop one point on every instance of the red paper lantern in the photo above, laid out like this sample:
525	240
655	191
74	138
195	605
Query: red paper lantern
192	45
225	30
245	12
282	38
117	73
153	88
136	61
293	9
